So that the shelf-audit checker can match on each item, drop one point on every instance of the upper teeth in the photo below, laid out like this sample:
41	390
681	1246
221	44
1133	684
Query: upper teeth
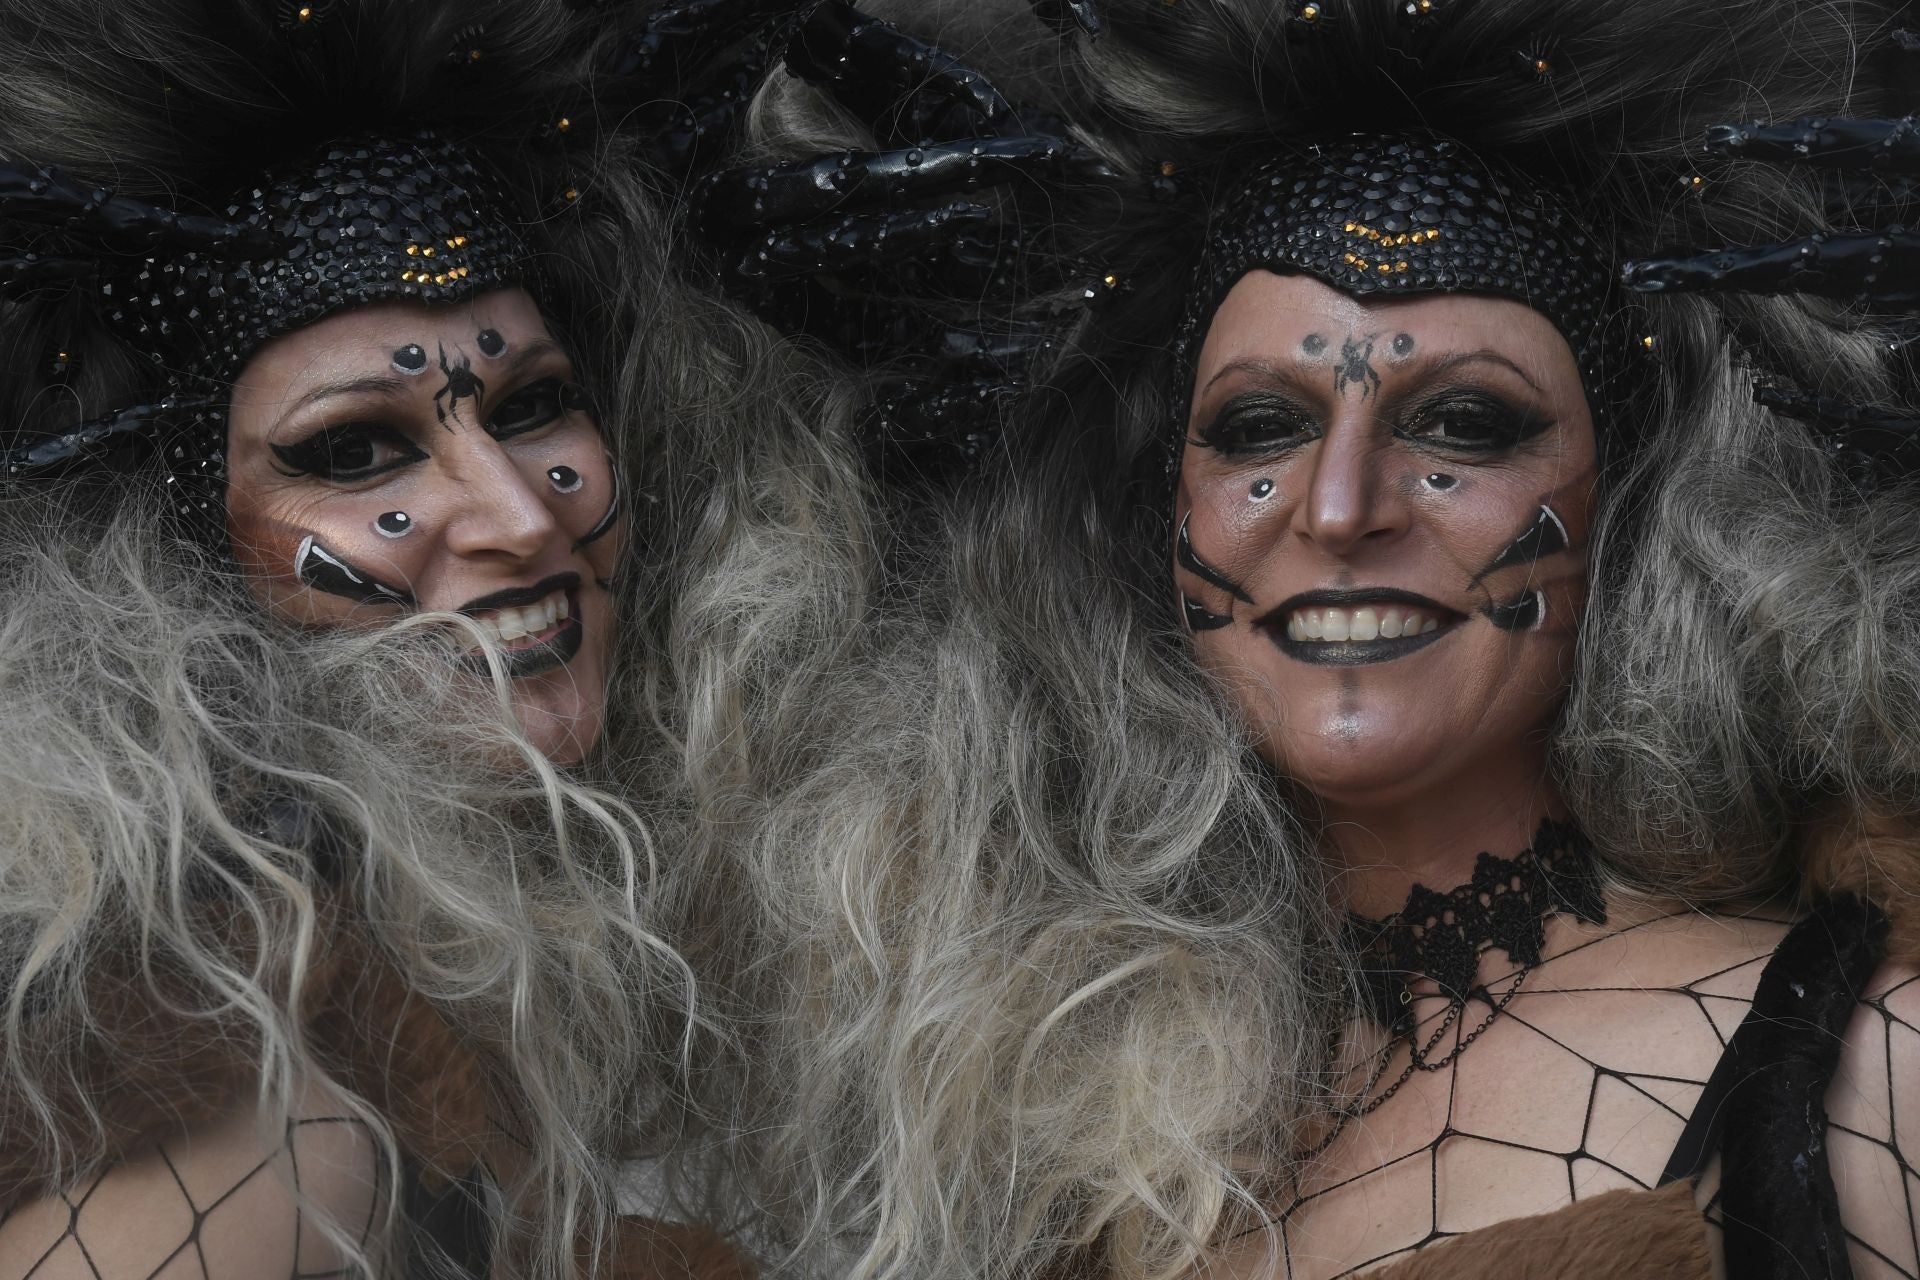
509	625
1365	623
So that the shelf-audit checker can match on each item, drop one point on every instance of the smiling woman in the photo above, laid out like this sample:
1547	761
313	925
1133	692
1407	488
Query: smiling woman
345	699
366	480
1398	761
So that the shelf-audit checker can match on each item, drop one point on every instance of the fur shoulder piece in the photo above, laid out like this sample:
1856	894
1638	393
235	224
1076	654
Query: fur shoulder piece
1875	855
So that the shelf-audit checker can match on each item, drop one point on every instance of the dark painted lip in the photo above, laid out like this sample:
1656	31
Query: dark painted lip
514	597
538	659
1351	596
1354	653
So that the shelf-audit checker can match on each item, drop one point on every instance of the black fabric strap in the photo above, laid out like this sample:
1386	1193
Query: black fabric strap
1764	1107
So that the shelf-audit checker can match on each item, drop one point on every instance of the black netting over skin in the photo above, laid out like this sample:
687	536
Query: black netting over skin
1583	1082
193	1210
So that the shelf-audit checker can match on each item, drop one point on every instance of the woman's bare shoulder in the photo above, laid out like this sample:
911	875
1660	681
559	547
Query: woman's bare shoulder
239	1198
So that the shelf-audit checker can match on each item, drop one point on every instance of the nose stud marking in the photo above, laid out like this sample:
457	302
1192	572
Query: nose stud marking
1439	482
1261	491
565	479
393	524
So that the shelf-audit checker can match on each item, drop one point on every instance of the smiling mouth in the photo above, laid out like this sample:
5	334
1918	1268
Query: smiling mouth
537	636
1356	628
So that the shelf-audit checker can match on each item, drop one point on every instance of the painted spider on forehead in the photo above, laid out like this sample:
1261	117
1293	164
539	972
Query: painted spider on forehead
462	384
1356	366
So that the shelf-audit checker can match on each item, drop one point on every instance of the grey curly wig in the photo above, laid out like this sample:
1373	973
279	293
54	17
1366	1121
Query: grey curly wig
1051	948
150	716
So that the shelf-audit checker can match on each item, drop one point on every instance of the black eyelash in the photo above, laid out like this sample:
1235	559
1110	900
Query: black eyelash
542	401
1237	429
1505	425
320	453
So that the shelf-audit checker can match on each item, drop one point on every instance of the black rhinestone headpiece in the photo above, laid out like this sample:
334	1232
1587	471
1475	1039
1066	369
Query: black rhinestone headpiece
364	221
1411	215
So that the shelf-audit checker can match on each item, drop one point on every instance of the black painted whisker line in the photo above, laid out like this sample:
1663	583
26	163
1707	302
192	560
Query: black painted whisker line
323	570
1545	536
605	523
1190	561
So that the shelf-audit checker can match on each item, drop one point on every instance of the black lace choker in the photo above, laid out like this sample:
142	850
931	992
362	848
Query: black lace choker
1441	936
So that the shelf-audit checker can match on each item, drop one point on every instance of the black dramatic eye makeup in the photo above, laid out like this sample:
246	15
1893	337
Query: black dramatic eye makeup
1259	422
347	451
1471	421
528	409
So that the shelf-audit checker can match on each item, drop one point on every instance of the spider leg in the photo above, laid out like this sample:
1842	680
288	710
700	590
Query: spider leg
906	89
1880	267
96	435
45	196
820	186
1065	15
1829	142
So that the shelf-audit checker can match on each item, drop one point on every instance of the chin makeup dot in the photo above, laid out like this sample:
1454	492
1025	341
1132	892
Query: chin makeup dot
565	479
411	359
1261	491
1440	482
491	344
393	524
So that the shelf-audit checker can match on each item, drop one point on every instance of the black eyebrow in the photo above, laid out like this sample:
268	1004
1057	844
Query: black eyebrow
1485	355
375	384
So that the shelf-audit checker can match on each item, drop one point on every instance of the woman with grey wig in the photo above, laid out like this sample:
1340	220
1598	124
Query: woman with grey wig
1399	757
391	541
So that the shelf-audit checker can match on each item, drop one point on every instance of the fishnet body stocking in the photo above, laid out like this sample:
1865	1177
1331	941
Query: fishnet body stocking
221	1203
1581	1085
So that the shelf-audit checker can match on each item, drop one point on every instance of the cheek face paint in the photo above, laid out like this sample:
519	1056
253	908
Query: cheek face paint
605	523
1546	536
1528	613
324	571
1262	490
1190	560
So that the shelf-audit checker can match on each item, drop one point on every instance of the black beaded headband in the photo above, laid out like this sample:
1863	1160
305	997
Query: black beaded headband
1406	215
369	220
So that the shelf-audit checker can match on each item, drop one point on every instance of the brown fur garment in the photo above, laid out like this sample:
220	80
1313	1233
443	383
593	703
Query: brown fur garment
1622	1235
1876	856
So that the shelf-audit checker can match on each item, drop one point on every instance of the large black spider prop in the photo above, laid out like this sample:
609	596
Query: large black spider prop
1872	172
849	247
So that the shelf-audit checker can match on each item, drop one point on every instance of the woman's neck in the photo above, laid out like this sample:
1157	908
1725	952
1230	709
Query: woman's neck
1380	847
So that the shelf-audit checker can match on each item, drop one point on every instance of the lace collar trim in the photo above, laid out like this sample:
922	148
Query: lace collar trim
1506	904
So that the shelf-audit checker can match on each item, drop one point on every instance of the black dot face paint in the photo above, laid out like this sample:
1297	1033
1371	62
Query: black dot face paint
1402	345
1356	367
491	344
393	524
1528	613
1261	491
462	384
605	523
1313	344
1546	536
565	479
1439	482
322	570
411	360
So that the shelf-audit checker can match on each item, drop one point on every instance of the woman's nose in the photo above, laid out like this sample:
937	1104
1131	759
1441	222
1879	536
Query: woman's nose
1350	498
499	510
